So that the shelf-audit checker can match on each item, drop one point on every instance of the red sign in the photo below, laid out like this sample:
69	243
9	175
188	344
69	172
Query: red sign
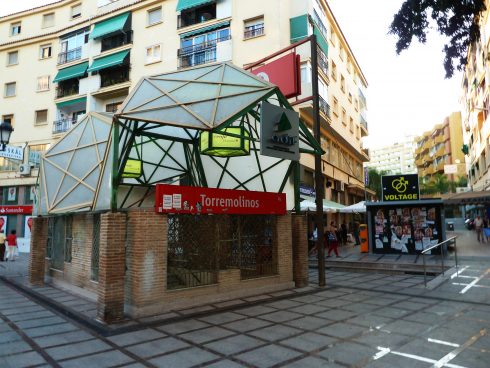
284	73
196	200
15	210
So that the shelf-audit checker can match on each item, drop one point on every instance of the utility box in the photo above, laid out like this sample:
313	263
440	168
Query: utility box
363	235
450	226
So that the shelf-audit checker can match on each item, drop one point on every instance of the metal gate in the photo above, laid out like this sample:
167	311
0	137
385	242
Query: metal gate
58	243
201	245
94	264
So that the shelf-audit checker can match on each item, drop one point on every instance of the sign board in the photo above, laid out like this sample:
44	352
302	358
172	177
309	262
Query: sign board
3	224
284	73
279	132
15	210
450	169
12	152
307	190
366	176
400	187
28	227
197	200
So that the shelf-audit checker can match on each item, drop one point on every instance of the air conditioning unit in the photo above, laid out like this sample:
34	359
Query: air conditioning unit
339	186
25	169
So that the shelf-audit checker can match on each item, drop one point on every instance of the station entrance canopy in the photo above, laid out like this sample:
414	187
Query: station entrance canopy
111	162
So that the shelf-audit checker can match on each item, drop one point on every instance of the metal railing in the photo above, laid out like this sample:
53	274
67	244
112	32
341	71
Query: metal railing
69	90
324	107
118	40
199	54
63	125
440	245
71	55
322	61
195	18
114	77
253	31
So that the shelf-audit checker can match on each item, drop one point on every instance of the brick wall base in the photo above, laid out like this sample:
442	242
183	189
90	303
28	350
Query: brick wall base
37	257
300	250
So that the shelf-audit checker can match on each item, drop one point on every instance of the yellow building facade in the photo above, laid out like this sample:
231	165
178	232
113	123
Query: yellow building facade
65	59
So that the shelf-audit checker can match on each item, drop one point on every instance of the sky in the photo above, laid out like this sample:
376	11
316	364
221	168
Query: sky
407	93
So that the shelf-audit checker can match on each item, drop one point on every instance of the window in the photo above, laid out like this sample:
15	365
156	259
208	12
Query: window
349	66
13	58
356	104
8	119
43	83
113	107
10	89
351	125
41	117
336	106
48	20
35	153
332	36
45	51
344	117
334	71
15	28
350	97
154	16
253	27
153	54
341	52
305	73
342	83
201	49
76	11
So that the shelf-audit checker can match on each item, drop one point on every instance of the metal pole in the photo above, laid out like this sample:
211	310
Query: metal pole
442	259
425	271
318	163
456	257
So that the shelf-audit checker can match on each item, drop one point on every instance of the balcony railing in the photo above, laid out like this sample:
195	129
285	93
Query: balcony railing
71	55
118	40
254	31
116	76
322	61
68	90
324	107
196	16
63	125
364	124
199	54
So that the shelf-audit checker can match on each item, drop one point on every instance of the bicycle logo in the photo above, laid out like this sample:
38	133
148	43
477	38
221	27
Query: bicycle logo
400	185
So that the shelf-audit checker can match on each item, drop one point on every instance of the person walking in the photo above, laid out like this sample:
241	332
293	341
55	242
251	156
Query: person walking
2	246
12	245
343	232
356	233
331	238
479	228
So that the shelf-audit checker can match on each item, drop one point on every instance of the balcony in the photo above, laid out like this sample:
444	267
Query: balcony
71	55
440	167
253	31
324	107
440	152
198	15
199	54
364	127
322	62
118	40
112	76
65	90
63	125
419	162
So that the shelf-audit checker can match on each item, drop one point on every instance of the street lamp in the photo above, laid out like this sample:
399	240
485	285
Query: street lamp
5	131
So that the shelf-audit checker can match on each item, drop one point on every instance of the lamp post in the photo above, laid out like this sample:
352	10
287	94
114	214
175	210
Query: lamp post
5	132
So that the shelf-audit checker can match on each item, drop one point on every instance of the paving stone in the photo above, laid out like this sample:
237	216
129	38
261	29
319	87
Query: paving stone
464	326
32	315
422	347
204	308
247	324
40	322
309	309
406	327
309	323
309	299
234	345
23	360
392	360
157	347
184	358
447	334
220	318
136	337
158	318
13	347
370	320
281	316
360	307
386	339
312	362
275	332
473	359
308	341
342	330
333	303
255	311
101	360
65	338
184	326
284	304
336	315
427	318
8	337
77	349
268	356
348	353
207	334
50	330
390	312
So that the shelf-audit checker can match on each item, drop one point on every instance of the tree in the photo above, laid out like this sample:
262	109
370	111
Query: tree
455	19
375	181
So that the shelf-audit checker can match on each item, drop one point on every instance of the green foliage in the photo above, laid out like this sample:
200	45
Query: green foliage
375	181
454	19
439	184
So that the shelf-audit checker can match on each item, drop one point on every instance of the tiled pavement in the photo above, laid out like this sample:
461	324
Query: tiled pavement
360	320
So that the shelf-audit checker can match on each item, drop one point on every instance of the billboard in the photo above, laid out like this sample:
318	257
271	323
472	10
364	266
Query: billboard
400	188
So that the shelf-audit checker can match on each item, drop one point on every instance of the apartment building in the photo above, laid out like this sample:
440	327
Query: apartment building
65	59
441	146
397	158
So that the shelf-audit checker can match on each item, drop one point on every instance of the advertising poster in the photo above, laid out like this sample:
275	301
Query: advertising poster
406	230
28	227
12	192
3	224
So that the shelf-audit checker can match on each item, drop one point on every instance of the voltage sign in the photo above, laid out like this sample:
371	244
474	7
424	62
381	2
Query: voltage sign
400	187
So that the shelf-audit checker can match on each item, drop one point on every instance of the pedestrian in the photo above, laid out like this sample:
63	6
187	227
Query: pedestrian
485	226
2	246
479	228
343	233
331	238
356	233
12	245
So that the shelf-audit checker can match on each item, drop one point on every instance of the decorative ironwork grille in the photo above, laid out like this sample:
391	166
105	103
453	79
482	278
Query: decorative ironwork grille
201	245
68	237
49	245
94	264
58	243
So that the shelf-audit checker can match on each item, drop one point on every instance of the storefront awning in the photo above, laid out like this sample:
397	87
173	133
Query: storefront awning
71	72
187	4
108	61
109	26
71	102
205	29
460	199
